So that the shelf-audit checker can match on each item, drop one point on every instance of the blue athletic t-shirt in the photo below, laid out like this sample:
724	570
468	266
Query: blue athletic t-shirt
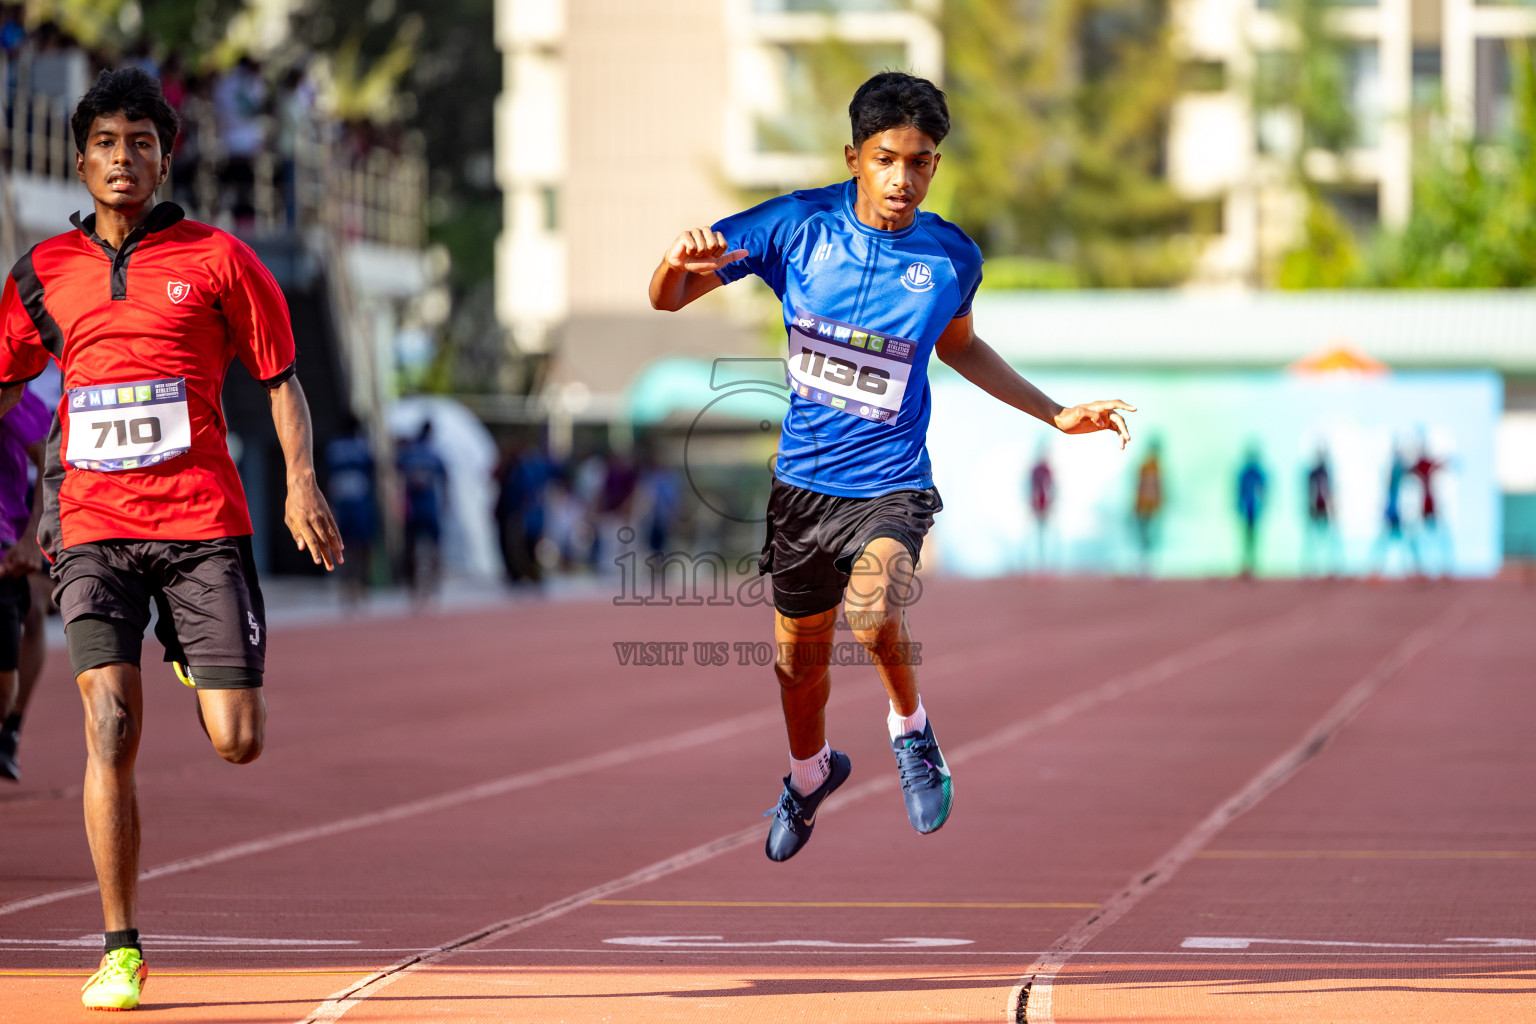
862	310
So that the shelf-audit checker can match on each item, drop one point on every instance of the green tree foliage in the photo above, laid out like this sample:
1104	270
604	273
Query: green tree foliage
1060	111
1472	225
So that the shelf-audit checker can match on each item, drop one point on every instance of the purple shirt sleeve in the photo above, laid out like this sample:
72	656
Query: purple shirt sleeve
30	420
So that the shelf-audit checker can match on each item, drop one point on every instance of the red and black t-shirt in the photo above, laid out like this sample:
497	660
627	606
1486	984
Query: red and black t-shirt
177	302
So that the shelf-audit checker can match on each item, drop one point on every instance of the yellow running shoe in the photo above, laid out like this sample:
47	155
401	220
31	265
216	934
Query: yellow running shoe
184	673
116	985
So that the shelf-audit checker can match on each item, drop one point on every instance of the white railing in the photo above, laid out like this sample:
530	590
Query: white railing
377	195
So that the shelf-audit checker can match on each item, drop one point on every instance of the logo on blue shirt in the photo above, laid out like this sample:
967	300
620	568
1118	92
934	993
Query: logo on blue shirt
918	278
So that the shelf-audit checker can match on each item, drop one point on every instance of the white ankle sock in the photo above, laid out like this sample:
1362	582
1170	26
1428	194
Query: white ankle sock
915	722
807	776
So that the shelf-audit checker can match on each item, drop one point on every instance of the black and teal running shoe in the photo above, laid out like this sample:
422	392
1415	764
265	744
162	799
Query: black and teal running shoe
795	815
925	779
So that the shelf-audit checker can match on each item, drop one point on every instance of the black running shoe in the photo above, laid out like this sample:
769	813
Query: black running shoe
795	815
9	769
925	779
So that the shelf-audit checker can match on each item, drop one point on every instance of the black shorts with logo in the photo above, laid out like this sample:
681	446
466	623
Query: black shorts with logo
814	539
211	615
15	602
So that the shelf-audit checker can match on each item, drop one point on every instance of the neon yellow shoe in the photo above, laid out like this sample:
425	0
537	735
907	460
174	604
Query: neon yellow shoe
116	985
184	673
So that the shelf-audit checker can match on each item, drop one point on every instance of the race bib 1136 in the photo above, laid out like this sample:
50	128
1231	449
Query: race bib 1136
848	368
128	426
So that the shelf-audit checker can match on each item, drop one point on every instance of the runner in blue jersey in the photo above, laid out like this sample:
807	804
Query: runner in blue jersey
871	287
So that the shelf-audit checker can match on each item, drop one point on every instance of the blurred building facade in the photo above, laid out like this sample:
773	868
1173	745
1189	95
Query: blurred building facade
622	124
1443	62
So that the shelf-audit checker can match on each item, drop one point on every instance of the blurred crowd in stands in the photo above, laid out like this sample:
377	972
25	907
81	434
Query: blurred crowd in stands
243	128
552	517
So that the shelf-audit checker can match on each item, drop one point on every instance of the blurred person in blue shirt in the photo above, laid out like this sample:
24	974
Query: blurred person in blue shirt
352	490
1250	506
424	480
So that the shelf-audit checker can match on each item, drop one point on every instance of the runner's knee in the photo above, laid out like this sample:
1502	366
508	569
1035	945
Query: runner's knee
798	665
236	722
239	738
111	727
875	623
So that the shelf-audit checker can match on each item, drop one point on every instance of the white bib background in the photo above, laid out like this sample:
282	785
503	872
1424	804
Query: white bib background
854	371
114	427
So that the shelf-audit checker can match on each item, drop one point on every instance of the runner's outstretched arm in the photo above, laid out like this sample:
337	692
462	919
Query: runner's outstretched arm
980	364
306	512
688	269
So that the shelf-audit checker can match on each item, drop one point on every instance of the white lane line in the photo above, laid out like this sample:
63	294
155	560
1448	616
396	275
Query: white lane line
1030	1000
701	736
336	1005
453	798
1225	942
820	954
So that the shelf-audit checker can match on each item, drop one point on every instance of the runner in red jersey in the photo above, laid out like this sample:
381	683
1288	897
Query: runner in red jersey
144	311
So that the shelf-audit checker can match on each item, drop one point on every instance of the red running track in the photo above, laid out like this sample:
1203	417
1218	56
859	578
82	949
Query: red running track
1174	802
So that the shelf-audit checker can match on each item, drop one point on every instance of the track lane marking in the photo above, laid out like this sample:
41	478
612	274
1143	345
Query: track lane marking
701	736
888	904
1366	855
1167	667
1030	1001
689	739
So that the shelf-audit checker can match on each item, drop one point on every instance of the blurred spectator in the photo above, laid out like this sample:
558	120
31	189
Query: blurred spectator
662	497
173	82
616	507
568	533
239	100
520	513
1320	543
139	56
424	478
1042	495
295	116
196	144
1148	504
1250	506
1392	533
352	490
61	69
1424	469
13	33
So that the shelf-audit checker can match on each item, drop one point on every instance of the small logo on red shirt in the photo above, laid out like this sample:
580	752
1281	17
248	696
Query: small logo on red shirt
178	290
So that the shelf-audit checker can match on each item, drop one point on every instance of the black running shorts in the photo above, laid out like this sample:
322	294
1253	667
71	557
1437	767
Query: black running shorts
814	539
211	615
15	602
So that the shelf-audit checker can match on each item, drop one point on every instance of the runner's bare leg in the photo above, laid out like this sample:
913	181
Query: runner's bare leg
235	720
883	584
805	678
114	709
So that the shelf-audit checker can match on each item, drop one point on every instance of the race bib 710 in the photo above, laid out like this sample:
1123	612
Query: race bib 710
848	368
141	423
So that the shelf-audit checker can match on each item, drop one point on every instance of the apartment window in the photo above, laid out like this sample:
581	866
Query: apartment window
1493	87
549	208
1359	208
1426	76
1363	68
1203	76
